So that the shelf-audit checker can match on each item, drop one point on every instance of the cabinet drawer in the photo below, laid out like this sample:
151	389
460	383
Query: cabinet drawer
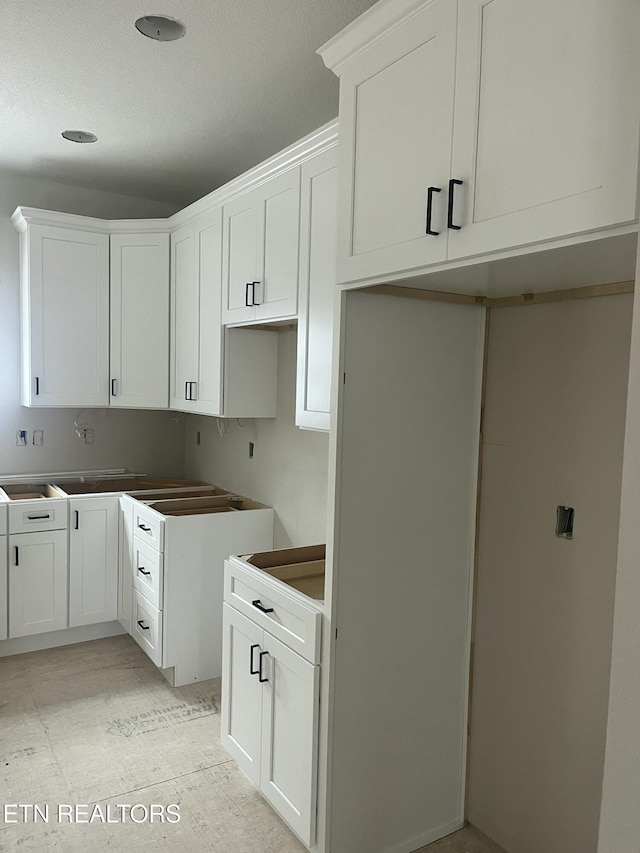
289	619
147	627
49	514
148	526
147	571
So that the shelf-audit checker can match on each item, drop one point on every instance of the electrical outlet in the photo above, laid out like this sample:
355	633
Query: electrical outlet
38	437
21	437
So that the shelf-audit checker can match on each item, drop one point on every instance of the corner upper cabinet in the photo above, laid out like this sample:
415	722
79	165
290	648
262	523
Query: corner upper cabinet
260	251
476	126
64	294
317	280
139	320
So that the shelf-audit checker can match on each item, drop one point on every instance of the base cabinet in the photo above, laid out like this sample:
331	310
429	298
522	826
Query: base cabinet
270	718
3	587
37	582
93	560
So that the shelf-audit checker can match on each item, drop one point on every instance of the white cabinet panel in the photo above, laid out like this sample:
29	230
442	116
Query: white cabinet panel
239	271
207	394
140	321
317	284
125	571
65	303
93	560
184	316
37	582
3	587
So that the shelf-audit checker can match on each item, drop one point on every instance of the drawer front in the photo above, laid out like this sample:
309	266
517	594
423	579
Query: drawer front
148	571
3	520
47	514
288	619
147	627
148	527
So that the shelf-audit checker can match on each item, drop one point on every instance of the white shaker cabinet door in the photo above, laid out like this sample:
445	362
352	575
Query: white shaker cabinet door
37	582
185	319
140	321
65	302
3	587
546	120
317	287
242	693
396	118
239	258
93	560
206	394
289	736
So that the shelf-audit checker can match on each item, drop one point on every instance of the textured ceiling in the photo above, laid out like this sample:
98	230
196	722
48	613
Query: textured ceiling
174	120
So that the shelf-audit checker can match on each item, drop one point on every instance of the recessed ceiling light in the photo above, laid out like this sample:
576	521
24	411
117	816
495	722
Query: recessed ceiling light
160	28
79	136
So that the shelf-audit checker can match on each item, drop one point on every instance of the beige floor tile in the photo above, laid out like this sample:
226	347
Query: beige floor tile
467	840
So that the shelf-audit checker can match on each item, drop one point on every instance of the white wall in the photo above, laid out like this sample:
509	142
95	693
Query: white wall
144	441
289	470
553	434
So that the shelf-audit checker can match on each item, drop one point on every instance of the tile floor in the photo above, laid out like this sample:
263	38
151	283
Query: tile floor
96	724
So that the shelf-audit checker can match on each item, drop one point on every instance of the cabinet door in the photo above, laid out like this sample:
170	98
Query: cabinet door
37	582
546	120
239	258
93	560
317	286
125	564
140	321
184	319
241	716
289	736
3	587
207	393
276	294
65	302
396	119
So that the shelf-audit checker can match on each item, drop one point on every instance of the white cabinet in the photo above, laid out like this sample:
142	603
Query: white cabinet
125	571
260	251
270	689
37	582
230	373
478	126
3	572
93	560
139	321
317	280
65	315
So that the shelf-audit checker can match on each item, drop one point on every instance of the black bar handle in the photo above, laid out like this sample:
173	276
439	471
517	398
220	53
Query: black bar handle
260	678
143	571
142	625
38	517
77	524
253	293
17	556
246	294
257	603
113	387
145	528
37	385
430	192
253	671
191	391
186	390
452	185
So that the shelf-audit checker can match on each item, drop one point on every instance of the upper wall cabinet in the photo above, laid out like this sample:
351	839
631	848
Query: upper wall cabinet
64	314
317	281
476	126
140	321
260	251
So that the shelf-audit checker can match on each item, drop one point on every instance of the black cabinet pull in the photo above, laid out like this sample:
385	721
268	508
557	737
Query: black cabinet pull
430	192
186	390
143	527
257	603
17	553
452	185
253	671
142	625
37	385
253	293
77	524
260	678
248	302
192	386
113	387
38	517
142	570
